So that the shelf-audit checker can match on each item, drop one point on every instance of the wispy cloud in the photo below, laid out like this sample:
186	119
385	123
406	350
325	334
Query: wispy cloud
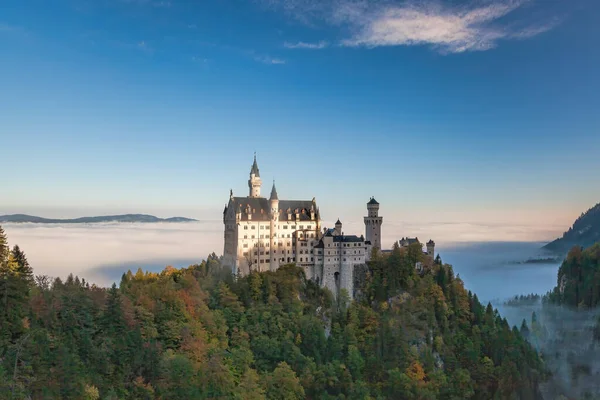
265	59
303	45
445	26
451	30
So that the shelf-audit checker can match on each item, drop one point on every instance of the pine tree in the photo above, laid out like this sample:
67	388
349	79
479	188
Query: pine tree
4	250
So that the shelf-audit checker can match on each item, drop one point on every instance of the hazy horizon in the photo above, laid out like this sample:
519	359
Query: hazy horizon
101	252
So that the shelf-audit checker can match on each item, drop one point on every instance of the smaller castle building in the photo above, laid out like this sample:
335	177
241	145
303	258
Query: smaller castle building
430	246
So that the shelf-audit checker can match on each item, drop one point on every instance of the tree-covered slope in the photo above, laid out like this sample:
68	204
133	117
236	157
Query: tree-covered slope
578	283
584	232
198	333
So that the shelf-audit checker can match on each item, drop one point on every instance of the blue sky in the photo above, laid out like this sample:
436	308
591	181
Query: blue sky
472	111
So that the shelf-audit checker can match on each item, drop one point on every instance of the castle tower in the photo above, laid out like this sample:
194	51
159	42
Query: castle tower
373	224
338	227
431	248
274	203
254	183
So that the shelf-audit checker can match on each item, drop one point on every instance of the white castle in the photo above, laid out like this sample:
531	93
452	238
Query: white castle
261	234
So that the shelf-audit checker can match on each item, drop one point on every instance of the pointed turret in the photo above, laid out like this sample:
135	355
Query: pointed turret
254	183
273	193
255	169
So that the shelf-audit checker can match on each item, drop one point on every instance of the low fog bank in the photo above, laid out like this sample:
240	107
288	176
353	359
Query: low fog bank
496	271
100	253
569	343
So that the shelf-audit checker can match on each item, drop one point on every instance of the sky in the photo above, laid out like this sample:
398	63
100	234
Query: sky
448	112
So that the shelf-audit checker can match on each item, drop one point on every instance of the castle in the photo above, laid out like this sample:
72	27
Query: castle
261	234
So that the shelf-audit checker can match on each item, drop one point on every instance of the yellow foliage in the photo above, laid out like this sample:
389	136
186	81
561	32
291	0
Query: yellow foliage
415	372
91	392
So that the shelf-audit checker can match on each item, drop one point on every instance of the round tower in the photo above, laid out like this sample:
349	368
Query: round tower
254	183
373	224
274	202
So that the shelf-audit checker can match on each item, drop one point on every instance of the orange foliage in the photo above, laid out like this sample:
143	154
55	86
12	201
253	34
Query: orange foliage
415	372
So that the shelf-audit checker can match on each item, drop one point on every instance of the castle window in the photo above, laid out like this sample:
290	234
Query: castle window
300	258
262	236
253	227
274	251
344	259
301	226
245	236
246	227
285	227
245	245
267	253
311	259
253	237
293	226
245	253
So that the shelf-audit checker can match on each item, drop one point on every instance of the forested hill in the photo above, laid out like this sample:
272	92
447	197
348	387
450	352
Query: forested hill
584	232
22	218
198	333
578	282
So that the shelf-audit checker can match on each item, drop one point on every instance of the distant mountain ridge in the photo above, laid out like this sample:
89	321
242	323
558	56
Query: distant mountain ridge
584	232
23	218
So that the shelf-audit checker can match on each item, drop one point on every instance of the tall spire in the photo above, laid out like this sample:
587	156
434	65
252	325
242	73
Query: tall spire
254	183
254	169
274	192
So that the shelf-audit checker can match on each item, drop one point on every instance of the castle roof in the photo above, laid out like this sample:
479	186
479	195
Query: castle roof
340	239
254	169
260	208
347	238
431	242
409	240
338	222
273	193
372	201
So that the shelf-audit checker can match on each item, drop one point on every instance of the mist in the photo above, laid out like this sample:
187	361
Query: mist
100	253
568	341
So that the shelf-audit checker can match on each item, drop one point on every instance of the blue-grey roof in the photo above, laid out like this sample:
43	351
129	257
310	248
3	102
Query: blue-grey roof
372	201
254	169
347	238
261	208
273	193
